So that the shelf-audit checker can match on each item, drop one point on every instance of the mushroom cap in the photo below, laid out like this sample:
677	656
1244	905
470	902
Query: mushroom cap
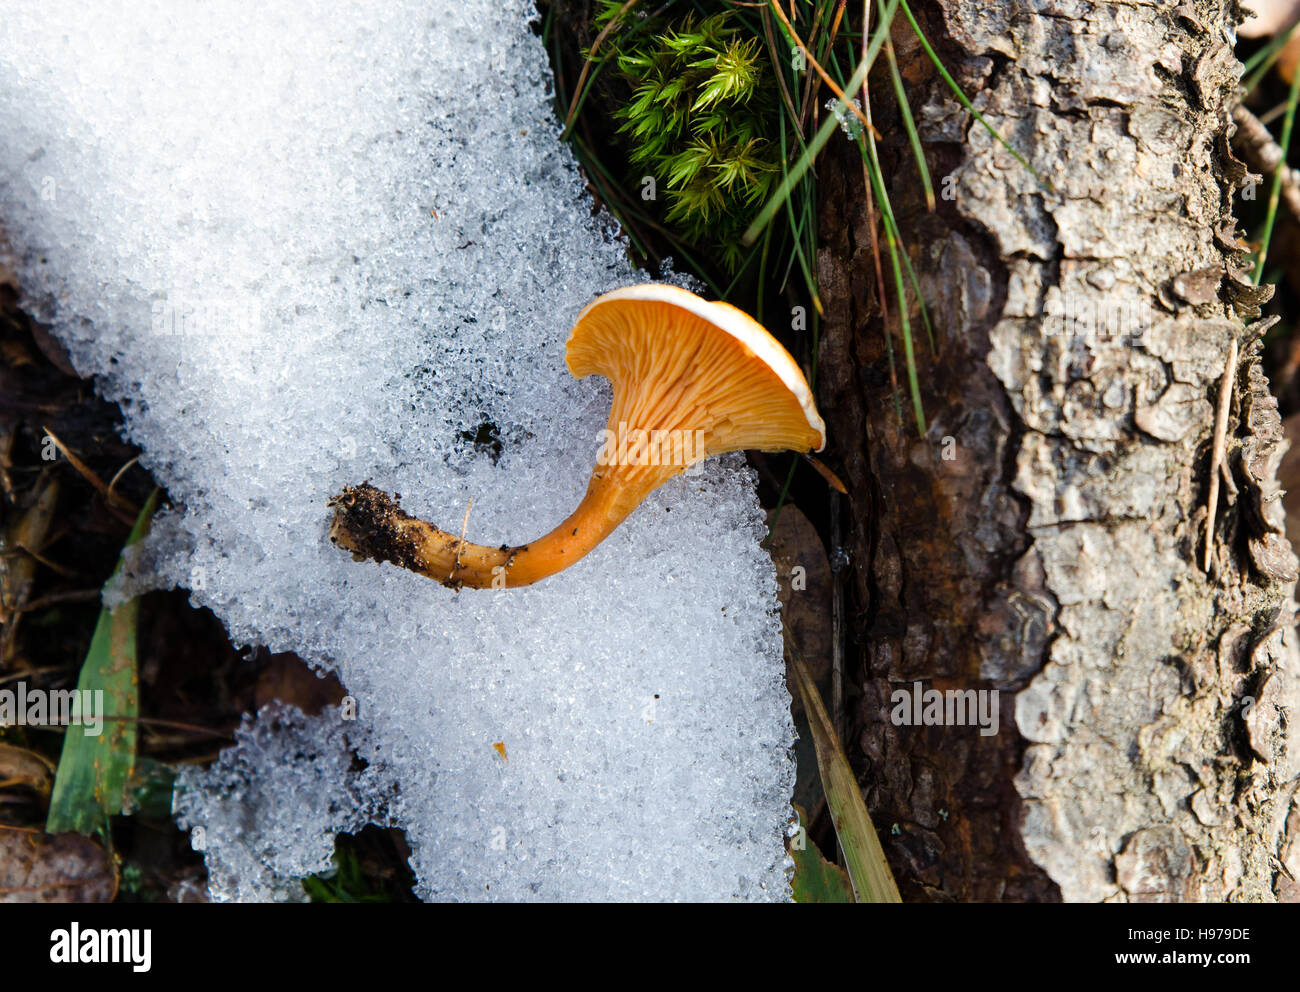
677	361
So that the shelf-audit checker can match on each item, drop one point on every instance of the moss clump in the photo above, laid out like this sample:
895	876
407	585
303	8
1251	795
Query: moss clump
702	103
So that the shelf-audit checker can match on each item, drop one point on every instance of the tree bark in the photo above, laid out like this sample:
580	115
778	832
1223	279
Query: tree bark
1056	555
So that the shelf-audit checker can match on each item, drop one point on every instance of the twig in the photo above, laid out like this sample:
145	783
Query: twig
1216	452
149	721
49	563
53	599
1256	143
15	676
115	502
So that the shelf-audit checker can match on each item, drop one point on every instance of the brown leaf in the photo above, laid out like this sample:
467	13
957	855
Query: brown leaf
289	679
18	766
8	262
52	349
40	867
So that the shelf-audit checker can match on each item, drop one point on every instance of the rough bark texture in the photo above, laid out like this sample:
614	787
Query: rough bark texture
1057	556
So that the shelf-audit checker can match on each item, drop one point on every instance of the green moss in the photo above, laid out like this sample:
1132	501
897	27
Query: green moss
702	103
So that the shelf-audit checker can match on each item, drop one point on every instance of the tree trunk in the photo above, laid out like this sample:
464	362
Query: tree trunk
1053	548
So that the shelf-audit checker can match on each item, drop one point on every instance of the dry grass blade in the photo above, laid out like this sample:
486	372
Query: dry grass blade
780	77
117	504
833	480
586	66
813	147
1275	189
830	83
863	855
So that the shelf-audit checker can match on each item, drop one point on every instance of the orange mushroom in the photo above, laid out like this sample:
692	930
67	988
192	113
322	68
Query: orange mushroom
691	379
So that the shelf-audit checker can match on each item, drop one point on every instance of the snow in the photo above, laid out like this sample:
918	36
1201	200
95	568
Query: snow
307	244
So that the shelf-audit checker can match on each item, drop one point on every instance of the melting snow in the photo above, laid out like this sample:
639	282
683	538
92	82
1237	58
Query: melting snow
307	244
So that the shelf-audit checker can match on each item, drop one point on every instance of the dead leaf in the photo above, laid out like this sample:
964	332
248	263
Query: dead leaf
8	263
288	679
18	766
40	867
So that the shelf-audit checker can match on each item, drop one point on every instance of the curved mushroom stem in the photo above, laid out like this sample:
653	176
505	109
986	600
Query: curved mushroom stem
370	524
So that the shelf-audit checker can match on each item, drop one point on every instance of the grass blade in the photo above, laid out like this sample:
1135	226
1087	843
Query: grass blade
93	771
863	855
888	210
797	234
815	878
893	241
910	125
1275	191
819	140
1258	64
957	91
